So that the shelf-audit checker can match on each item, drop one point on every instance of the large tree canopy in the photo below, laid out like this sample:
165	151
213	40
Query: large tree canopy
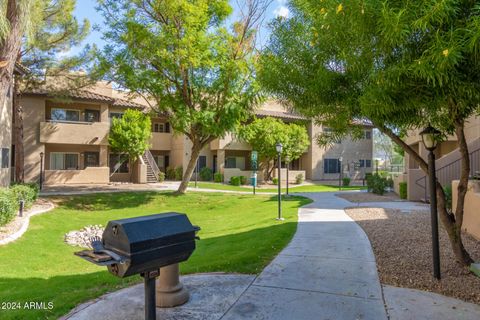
180	55
402	65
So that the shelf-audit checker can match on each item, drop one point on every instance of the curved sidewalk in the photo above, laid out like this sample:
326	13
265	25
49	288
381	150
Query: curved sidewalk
327	271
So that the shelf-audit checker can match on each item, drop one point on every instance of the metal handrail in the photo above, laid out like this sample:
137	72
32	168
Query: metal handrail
151	162
452	171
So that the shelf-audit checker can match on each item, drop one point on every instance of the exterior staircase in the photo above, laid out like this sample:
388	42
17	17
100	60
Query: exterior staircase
152	167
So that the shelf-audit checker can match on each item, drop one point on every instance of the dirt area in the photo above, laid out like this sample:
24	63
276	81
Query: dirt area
369	197
402	246
15	225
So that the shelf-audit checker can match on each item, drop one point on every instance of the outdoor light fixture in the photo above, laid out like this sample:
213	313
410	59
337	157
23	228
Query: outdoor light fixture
340	160
41	171
279	148
430	138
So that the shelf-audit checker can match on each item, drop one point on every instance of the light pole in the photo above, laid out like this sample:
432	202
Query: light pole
430	137
279	148
41	171
196	173
340	160
288	165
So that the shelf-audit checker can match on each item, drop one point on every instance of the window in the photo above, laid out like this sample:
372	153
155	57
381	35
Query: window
63	161
368	134
160	161
64	115
365	163
368	163
5	158
91	159
202	162
118	163
235	162
92	115
331	166
362	163
161	127
116	115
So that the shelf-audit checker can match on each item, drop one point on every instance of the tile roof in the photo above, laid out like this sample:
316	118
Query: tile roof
90	96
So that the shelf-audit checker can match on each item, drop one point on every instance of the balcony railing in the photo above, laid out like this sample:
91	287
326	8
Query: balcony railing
74	132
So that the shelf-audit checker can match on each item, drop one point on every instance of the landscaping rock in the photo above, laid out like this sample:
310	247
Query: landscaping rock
82	237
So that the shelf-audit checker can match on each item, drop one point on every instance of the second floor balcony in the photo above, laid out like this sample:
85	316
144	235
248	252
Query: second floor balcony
74	132
229	142
161	141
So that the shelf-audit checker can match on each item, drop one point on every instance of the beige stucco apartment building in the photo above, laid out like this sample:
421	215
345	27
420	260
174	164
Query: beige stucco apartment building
72	139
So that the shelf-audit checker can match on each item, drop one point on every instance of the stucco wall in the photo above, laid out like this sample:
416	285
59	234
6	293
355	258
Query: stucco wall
6	139
94	175
471	216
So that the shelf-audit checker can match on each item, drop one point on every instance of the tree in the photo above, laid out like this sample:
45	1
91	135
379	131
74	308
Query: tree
264	133
402	65
130	135
180	55
384	147
43	55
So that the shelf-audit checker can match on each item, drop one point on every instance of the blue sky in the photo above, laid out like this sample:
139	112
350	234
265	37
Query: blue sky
86	10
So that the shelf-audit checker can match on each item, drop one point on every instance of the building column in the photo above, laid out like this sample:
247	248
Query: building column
103	158
220	160
104	113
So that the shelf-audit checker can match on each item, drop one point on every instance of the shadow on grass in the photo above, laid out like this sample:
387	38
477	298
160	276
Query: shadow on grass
246	252
104	201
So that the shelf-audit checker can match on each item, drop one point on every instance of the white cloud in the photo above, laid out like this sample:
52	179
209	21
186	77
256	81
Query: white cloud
281	11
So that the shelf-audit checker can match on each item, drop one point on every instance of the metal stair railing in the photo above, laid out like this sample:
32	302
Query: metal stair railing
452	171
151	163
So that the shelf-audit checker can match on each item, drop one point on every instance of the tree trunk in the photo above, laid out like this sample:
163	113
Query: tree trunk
449	222
19	148
9	49
196	148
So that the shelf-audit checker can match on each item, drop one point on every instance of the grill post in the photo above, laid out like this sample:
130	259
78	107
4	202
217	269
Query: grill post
149	284
170	291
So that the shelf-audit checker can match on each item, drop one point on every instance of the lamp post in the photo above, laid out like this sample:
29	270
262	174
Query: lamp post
279	148
340	160
287	163
430	137
196	173
41	171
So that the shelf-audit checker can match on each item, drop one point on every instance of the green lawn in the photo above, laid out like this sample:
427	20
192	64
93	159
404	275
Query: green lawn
305	188
239	234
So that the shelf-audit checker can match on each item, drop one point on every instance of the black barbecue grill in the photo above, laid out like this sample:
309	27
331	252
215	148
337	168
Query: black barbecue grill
143	245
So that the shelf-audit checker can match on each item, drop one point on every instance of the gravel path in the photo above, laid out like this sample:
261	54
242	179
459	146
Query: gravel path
402	246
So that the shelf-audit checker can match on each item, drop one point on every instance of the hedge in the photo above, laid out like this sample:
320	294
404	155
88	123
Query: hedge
206	174
346	181
403	190
218	177
235	181
8	206
26	192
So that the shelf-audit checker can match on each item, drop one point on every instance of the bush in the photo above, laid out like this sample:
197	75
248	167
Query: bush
368	178
8	206
448	197
403	190
178	173
299	179
376	184
206	174
25	192
346	181
161	176
243	180
218	177
390	182
235	181
275	181
170	174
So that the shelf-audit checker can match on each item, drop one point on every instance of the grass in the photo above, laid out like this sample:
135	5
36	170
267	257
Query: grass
239	234
304	188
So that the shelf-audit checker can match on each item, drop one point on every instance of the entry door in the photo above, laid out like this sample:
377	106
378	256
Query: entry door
214	164
202	162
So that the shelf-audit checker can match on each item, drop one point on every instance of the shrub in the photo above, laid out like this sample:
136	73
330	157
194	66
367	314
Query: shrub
243	180
275	181
25	192
161	176
346	181
376	184
170	174
178	173
218	177
368	178
235	181
403	190
8	206
390	182
448	197
206	174
299	179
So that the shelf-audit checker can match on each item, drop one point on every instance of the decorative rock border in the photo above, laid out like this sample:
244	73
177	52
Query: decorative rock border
14	236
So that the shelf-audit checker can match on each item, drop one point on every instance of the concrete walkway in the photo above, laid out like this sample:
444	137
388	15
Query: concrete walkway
327	271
